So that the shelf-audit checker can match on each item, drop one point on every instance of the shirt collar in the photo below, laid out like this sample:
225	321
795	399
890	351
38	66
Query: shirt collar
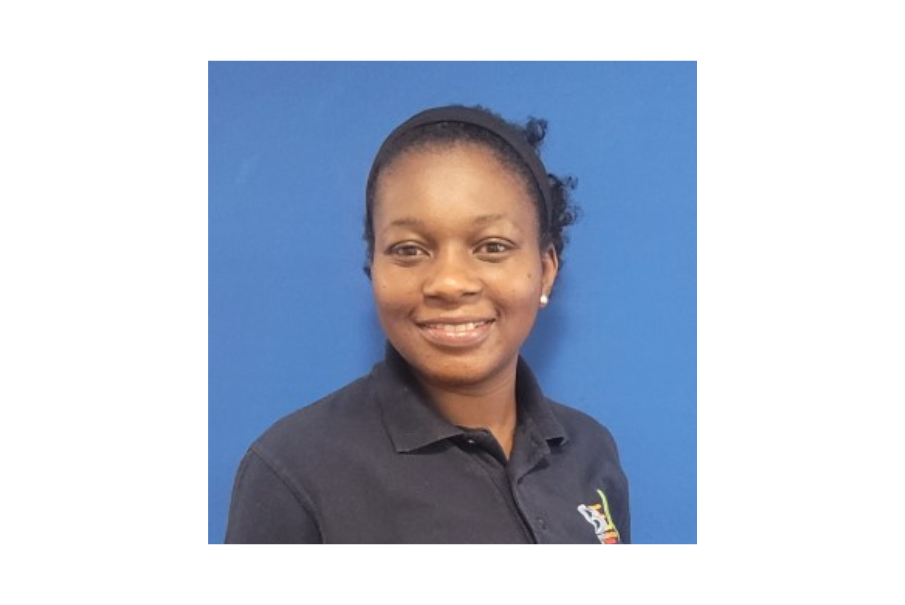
412	422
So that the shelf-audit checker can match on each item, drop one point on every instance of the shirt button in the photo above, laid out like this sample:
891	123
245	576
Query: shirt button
542	523
470	441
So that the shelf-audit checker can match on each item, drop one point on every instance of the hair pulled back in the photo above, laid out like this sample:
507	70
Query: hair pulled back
552	221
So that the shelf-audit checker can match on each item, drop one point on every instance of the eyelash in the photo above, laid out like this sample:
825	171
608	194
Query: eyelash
503	247
408	249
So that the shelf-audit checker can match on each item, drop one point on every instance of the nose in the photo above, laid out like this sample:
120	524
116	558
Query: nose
452	278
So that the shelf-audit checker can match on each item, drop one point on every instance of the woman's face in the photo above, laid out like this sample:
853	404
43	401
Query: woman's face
457	271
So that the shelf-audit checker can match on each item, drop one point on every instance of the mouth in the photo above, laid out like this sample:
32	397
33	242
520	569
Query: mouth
456	333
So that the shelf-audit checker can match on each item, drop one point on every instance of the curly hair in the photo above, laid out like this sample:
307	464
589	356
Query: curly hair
564	211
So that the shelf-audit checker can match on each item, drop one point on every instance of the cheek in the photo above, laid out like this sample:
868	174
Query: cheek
382	293
517	289
390	295
524	295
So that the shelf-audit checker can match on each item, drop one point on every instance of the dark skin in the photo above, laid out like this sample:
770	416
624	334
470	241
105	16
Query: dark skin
457	274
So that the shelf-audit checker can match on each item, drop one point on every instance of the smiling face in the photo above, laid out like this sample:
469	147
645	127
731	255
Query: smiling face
457	270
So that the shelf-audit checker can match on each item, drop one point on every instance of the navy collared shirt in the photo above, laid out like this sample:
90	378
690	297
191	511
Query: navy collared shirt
375	463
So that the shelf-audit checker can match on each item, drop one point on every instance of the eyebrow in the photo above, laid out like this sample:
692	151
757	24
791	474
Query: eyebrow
487	218
415	222
407	222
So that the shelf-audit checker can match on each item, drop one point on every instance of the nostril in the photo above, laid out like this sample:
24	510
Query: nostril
452	284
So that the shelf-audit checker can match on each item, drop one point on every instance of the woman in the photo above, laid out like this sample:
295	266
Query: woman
449	439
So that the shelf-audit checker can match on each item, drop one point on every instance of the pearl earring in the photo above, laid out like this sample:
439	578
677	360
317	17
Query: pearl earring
544	300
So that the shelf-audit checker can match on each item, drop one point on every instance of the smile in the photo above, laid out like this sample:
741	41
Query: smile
466	333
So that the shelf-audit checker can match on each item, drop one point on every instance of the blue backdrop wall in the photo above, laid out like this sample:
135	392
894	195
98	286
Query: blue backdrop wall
290	311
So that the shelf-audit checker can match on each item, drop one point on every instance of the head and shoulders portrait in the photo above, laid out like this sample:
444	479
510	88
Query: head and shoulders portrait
523	258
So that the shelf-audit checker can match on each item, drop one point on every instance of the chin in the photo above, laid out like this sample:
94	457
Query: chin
459	372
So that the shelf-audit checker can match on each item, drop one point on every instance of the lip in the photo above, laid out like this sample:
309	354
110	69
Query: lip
456	332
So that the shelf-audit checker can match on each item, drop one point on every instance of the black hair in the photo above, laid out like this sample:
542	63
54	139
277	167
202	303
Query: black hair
563	213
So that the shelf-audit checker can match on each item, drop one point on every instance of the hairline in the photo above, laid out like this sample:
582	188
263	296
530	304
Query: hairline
439	145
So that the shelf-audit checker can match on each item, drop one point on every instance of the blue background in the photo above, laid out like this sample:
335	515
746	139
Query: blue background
290	311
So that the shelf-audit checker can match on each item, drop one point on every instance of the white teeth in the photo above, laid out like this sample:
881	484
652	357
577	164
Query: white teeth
458	328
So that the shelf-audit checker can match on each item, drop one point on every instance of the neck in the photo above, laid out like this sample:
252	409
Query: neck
490	406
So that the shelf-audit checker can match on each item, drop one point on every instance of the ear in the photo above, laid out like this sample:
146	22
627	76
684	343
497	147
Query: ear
550	267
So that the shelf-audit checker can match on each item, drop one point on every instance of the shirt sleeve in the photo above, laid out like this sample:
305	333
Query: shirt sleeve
623	521
264	509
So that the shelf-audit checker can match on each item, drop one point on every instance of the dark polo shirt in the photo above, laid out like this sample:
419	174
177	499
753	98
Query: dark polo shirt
375	463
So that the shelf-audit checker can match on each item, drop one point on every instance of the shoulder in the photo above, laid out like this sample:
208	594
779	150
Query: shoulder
275	494
590	450
346	414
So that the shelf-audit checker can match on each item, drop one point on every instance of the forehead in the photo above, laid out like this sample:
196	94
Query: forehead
451	180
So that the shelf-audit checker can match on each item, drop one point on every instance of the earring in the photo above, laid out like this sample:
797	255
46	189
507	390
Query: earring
544	300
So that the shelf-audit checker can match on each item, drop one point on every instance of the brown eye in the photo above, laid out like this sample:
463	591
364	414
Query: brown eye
407	250
494	250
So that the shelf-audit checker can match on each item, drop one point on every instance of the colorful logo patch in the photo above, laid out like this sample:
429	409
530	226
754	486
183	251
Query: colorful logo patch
598	515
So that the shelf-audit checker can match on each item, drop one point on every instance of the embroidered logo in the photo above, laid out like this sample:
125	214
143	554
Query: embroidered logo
598	515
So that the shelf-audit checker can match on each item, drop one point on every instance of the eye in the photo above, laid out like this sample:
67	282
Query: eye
407	251
494	249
